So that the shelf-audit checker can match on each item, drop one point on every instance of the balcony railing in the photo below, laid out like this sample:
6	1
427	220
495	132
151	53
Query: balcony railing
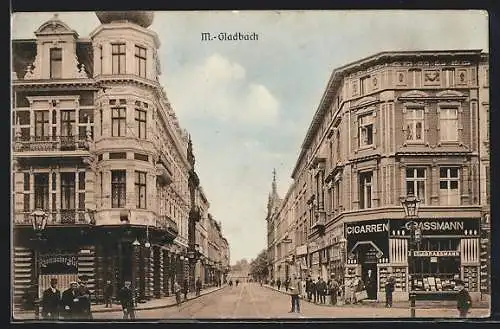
50	143
59	217
166	223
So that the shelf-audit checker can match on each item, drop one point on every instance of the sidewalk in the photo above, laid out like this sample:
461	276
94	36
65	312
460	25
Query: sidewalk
149	305
421	304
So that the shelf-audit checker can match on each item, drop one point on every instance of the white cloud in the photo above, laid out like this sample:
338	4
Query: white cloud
219	88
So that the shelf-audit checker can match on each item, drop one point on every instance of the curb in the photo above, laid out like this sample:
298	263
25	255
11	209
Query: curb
158	306
374	304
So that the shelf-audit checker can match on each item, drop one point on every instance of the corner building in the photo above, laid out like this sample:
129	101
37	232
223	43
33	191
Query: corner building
388	125
97	147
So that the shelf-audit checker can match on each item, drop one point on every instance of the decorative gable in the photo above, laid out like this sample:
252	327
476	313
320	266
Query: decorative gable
450	94
55	27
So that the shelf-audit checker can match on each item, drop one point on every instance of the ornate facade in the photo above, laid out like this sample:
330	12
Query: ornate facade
98	149
388	125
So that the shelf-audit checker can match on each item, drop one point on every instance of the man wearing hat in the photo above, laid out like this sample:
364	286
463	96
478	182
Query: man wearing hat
464	302
126	298
84	299
51	301
70	301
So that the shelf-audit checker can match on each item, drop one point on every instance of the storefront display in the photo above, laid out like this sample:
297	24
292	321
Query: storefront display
471	278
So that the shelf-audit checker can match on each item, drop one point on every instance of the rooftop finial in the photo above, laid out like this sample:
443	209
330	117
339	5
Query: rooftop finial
275	192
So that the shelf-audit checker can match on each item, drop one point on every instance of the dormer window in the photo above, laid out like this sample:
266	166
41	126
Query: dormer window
55	63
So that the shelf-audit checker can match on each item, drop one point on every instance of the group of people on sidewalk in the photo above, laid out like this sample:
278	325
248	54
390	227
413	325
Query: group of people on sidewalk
285	283
73	303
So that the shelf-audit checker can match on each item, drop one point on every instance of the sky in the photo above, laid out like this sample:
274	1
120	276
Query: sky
248	104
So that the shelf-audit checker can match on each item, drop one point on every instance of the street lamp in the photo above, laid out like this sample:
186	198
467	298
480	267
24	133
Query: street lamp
39	221
411	205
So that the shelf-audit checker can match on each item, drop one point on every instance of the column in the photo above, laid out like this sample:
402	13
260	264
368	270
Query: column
130	189
402	185
77	205
50	194
32	190
129	58
434	183
106	197
355	188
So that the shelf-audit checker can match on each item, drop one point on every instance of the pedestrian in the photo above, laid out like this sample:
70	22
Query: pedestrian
464	302
389	289
371	285
126	297
333	289
108	294
185	288
314	290
322	291
278	283
198	286
350	290
295	292
84	300
358	286
51	301
237	282
177	291
308	288
70	302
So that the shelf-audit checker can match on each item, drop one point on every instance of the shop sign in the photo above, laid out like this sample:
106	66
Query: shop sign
60	259
367	235
438	226
436	253
301	250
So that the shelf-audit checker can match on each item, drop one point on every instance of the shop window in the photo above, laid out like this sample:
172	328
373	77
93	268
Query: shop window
414	125
365	190
448	124
449	186
118	188
415	182
365	130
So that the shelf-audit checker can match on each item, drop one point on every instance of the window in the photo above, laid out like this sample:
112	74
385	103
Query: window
42	125
118	58
337	194
118	188
41	191
85	119
141	157
448	77
55	63
68	190
448	124
448	186
26	181
67	123
365	130
81	190
415	77
140	123
81	180
414	124
415	182
337	146
100	121
140	61
23	123
117	155
365	190
118	121
365	85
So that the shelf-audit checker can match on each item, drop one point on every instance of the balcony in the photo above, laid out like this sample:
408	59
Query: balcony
59	217
50	144
167	224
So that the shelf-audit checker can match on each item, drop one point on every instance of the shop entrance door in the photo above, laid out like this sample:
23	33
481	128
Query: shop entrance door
369	271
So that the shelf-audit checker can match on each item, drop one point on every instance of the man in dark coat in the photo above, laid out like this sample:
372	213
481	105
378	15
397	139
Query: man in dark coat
389	289
84	298
278	283
371	285
108	294
51	301
321	290
464	302
198	286
314	291
185	288
126	298
308	288
70	302
333	288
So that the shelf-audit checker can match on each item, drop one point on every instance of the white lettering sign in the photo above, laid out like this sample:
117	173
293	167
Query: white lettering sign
438	226
436	253
368	228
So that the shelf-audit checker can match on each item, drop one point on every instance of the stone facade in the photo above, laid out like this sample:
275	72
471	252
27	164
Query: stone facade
387	125
98	148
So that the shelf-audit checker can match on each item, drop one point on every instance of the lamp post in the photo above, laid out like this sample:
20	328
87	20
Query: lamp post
38	220
411	205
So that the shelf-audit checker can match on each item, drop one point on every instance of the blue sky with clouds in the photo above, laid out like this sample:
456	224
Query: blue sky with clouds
248	104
